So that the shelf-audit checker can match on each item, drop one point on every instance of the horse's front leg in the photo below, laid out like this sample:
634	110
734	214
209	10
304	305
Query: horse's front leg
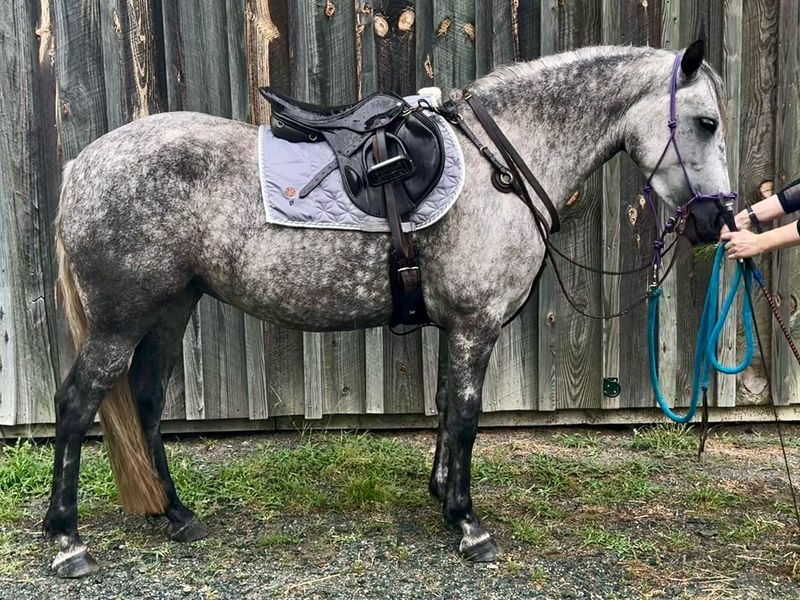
438	480
469	349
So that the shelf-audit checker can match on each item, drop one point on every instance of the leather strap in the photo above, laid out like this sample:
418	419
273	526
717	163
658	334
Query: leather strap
754	220
515	162
323	173
399	239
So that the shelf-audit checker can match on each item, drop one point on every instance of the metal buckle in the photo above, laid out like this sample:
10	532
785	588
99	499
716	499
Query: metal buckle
389	170
401	269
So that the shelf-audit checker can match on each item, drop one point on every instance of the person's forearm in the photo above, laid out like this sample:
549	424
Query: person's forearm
782	237
765	211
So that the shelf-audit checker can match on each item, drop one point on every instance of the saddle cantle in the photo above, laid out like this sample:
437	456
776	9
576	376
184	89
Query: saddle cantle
414	149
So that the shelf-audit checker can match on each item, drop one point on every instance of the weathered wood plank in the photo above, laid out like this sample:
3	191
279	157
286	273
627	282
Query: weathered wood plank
570	360
374	365
239	25
611	204
134	90
547	294
731	10
454	42
785	379
757	151
425	35
511	375
215	360
394	41
33	343
331	59
430	358
22	196
313	375
283	349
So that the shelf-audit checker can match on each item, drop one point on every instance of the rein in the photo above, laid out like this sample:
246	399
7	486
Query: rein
711	324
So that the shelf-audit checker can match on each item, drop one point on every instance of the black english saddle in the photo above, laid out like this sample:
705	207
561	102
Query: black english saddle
411	162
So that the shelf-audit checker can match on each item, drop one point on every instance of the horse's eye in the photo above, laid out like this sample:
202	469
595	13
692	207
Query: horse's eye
707	124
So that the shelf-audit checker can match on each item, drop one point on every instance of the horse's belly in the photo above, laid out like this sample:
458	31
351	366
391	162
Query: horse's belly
314	280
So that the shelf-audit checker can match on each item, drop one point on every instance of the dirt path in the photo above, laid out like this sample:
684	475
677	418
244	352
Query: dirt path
579	514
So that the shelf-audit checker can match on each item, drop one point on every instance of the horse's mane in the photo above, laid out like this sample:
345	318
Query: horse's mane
580	62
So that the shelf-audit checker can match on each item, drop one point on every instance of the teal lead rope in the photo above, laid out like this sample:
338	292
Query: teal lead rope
711	324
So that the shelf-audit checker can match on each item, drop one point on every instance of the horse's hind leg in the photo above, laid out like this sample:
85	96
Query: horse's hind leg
150	371
438	481
101	360
469	349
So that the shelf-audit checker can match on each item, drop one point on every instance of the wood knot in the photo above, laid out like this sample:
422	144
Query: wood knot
381	26
406	20
574	198
766	189
633	215
444	27
428	67
330	8
551	317
469	31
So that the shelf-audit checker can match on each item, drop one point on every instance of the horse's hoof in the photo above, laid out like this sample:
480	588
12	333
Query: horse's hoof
188	531
74	563
482	550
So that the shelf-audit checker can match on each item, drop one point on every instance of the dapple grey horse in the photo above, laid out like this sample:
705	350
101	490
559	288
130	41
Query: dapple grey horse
164	209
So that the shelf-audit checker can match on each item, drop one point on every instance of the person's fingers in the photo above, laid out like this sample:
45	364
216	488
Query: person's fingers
725	234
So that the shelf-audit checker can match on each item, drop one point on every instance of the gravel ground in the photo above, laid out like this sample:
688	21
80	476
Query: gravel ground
718	528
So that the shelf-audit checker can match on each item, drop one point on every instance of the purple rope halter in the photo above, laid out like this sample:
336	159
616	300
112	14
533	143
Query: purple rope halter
681	211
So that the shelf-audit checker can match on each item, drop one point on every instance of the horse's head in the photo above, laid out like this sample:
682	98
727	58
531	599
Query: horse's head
699	135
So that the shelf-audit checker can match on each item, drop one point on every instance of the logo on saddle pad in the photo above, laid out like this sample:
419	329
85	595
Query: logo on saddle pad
290	192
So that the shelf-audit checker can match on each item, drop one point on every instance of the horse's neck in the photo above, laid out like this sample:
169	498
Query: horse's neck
564	119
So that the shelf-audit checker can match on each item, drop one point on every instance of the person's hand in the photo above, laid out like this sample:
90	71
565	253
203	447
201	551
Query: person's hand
741	244
742	220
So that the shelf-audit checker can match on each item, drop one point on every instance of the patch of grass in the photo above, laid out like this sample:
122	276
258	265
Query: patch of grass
553	476
333	473
678	541
622	545
576	440
750	528
536	506
592	482
526	531
279	539
337	473
665	439
539	577
495	469
708	495
621	483
512	565
704	252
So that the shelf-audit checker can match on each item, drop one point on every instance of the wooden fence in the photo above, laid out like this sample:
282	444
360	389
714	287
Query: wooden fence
70	70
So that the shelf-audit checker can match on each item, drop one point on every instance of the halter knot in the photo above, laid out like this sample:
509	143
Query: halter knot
672	123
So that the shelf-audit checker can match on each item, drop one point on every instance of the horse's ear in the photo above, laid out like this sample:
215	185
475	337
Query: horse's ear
692	58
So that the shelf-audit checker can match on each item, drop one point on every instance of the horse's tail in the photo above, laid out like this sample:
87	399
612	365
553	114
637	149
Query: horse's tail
139	486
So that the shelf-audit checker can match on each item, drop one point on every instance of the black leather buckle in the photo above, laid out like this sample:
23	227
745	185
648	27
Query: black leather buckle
390	169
